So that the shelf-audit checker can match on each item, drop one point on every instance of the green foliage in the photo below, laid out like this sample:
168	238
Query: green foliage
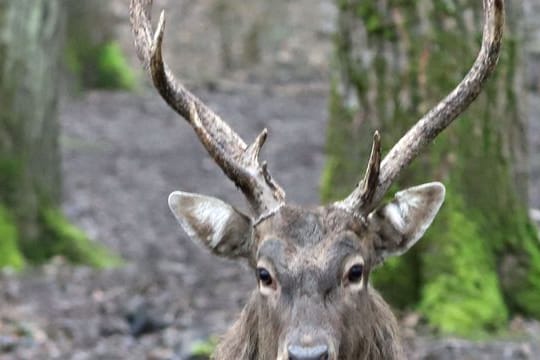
102	66
461	293
113	69
399	280
59	237
203	349
10	256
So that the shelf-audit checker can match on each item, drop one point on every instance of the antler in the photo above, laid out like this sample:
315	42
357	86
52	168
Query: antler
370	192
237	160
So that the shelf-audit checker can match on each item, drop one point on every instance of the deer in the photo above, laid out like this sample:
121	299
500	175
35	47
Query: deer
313	299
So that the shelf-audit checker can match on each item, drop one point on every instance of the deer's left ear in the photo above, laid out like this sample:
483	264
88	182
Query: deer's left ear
402	222
213	223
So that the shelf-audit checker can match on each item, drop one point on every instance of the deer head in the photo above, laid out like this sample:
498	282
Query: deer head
312	264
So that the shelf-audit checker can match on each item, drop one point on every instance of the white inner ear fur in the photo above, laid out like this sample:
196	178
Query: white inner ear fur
215	216
409	215
203	218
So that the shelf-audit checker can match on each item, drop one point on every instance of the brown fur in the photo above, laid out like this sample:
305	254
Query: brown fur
312	304
361	326
371	333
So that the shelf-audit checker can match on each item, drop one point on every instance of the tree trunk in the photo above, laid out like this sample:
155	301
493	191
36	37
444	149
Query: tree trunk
395	60
92	54
31	44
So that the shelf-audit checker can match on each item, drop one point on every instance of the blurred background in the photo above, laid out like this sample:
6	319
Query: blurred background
95	266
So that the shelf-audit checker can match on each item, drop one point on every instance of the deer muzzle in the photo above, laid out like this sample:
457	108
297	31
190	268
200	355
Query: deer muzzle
317	352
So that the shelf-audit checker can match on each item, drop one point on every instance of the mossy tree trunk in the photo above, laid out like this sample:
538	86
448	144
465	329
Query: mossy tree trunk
93	57
480	262
31	226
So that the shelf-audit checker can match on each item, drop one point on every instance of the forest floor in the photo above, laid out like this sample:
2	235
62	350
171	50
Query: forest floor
122	155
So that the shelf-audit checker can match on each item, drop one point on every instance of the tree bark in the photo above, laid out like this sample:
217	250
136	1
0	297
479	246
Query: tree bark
394	60
31	45
30	49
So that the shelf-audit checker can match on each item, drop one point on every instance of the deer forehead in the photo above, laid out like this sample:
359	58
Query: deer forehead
308	226
298	238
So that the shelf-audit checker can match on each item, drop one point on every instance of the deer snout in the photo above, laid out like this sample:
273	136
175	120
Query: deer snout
319	352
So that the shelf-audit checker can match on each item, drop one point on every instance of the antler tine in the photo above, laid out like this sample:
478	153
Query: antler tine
365	190
439	117
237	160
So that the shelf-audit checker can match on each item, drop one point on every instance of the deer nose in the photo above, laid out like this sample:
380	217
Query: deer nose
319	352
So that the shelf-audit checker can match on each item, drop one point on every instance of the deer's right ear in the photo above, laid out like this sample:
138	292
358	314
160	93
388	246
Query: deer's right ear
402	222
213	223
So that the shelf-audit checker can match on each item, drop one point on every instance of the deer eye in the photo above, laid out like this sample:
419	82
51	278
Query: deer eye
355	273
264	276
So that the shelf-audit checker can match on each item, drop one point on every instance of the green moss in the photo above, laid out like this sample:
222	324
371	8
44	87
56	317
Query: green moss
10	255
73	244
10	175
340	171
73	61
446	7
113	69
461	293
203	349
399	280
375	21
328	188
91	54
59	237
521	271
101	66
29	238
